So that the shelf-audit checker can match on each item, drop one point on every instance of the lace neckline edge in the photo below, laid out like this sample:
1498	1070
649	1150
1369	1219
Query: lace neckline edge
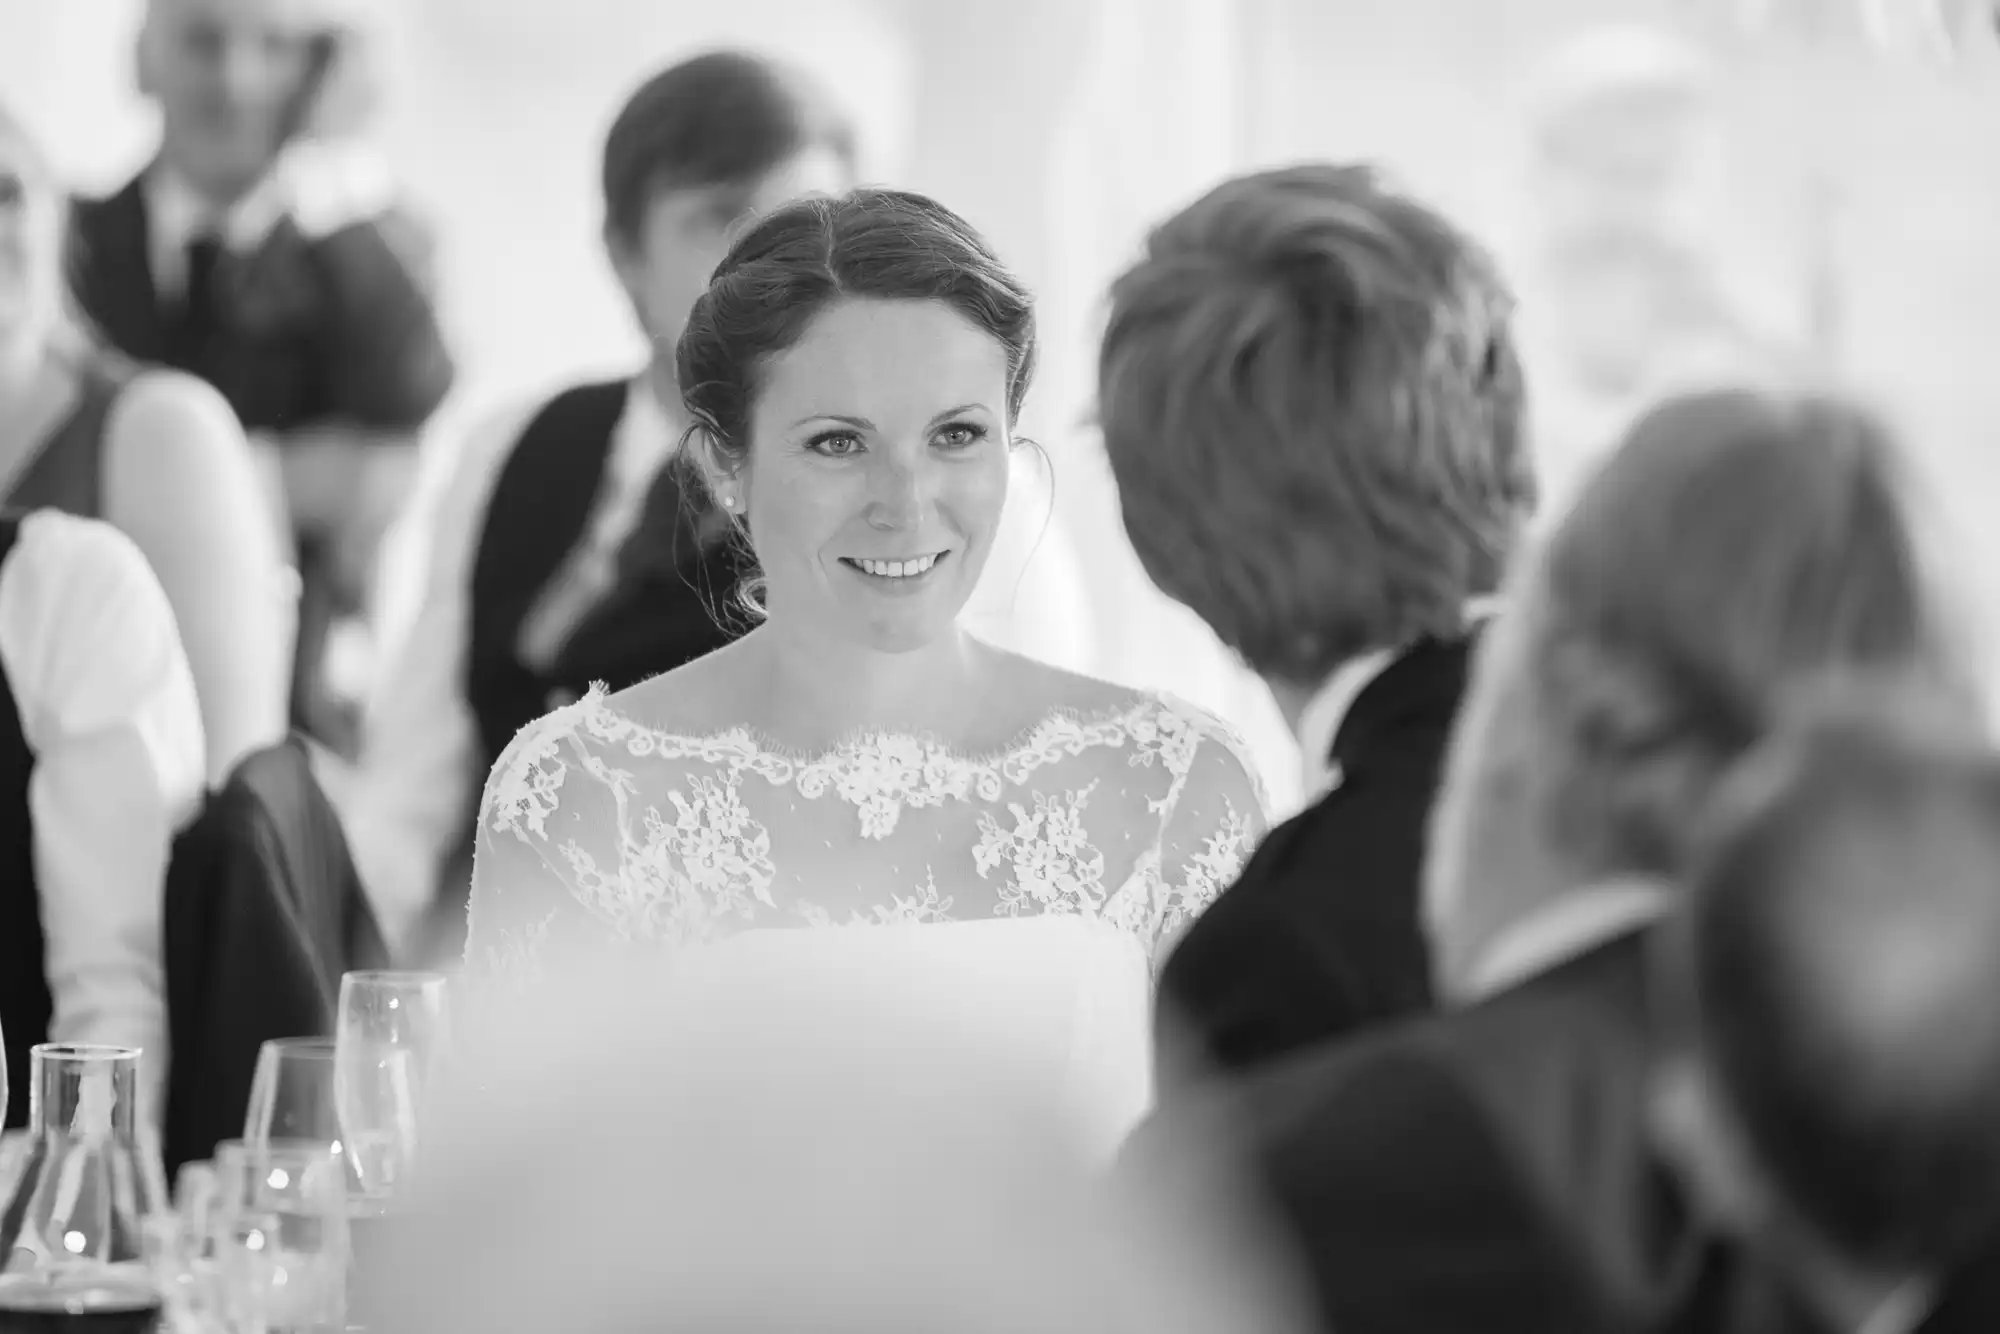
1033	738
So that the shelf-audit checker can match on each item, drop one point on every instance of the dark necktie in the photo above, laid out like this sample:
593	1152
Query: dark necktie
201	313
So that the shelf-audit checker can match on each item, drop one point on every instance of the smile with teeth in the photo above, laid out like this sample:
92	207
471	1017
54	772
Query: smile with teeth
896	569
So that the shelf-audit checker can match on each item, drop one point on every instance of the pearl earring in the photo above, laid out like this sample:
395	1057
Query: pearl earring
729	502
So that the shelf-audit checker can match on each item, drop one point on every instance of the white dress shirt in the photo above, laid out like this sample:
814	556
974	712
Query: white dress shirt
406	805
319	187
108	709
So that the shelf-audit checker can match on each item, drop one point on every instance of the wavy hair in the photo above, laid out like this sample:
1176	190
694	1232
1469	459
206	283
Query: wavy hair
1737	549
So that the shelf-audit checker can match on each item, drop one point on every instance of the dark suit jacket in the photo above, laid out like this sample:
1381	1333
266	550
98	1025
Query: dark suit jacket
335	328
264	912
1490	1169
1322	933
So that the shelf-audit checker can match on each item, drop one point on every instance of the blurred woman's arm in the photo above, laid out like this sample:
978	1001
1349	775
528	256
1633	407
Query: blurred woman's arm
180	480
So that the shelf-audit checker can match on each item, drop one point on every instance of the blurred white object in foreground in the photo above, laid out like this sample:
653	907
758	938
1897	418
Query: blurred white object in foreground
795	1135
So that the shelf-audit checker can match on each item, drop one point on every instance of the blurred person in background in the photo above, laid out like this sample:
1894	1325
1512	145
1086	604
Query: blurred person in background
808	1148
154	452
264	249
564	547
100	767
1627	232
1312	403
1829	1083
1491	1167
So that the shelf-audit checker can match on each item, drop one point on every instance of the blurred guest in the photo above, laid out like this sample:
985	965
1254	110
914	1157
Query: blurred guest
154	452
263	250
1312	403
1489	1168
100	765
1831	1089
802	1150
1627	236
564	548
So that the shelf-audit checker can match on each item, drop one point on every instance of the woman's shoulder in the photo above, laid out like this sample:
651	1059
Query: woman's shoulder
697	699
168	427
150	397
1059	690
528	780
1181	735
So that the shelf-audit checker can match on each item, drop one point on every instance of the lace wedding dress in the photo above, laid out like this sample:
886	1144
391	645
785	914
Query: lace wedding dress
1025	894
598	830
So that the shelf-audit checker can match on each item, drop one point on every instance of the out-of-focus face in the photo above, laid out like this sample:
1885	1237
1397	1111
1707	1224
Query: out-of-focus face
683	235
877	472
229	76
31	225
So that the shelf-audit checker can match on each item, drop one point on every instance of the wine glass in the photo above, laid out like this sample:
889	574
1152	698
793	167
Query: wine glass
390	1038
275	1224
292	1093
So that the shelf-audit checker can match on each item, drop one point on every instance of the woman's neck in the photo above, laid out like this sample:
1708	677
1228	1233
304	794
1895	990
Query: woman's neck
820	693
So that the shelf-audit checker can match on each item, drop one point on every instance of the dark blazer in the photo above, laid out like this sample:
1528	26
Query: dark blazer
1322	933
1490	1169
264	912
335	328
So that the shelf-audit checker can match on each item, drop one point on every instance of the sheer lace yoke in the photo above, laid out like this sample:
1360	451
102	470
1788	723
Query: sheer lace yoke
597	828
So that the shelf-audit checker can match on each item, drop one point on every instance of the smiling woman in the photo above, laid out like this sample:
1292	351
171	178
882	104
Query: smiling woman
880	524
855	372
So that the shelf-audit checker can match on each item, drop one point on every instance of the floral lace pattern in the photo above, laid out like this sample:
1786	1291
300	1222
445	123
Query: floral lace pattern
598	829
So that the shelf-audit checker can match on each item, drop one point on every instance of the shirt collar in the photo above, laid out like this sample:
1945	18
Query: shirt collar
1320	721
646	438
1565	928
177	213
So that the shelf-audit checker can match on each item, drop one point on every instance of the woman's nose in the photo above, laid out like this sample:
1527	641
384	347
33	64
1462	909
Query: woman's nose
897	494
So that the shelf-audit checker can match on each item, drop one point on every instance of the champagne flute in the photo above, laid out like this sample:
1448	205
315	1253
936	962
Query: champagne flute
389	1041
390	1038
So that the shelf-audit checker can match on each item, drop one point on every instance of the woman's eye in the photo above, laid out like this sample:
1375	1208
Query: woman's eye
836	444
964	435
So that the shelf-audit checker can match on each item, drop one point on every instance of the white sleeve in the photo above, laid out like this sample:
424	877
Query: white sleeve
409	800
108	708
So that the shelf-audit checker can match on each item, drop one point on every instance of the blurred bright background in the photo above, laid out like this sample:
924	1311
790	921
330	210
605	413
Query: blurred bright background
1845	219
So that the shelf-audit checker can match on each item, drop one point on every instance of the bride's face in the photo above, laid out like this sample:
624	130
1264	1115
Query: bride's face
878	470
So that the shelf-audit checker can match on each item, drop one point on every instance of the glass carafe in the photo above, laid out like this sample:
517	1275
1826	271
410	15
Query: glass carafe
72	1241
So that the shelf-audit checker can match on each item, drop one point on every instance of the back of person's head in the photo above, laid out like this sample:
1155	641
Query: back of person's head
1736	548
1835	979
724	119
1310	395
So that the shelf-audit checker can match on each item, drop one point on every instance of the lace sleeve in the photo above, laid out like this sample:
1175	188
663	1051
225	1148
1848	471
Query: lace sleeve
532	855
1213	822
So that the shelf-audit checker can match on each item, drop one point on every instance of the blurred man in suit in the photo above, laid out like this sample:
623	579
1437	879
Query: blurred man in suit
1830	1087
1493	1167
1311	400
265	250
564	548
